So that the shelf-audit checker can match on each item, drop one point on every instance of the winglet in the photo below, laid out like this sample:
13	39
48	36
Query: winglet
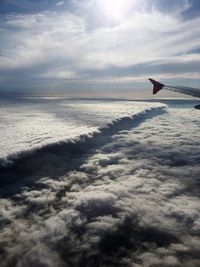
156	86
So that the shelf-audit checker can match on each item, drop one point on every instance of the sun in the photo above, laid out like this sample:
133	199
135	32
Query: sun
115	9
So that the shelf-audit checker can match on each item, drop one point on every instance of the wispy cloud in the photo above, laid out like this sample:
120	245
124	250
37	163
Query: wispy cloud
61	42
60	3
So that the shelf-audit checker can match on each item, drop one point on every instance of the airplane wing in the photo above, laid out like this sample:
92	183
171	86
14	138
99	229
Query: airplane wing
157	86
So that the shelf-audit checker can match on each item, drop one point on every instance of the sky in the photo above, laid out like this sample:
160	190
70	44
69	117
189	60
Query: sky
75	46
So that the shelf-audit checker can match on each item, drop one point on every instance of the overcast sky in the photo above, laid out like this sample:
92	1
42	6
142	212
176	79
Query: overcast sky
68	45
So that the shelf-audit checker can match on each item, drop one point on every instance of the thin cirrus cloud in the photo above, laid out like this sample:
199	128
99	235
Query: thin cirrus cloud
68	45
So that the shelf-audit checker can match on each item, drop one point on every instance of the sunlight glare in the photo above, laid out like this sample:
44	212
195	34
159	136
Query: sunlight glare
116	9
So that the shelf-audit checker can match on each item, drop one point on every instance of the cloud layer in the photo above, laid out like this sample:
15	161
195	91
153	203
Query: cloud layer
31	123
131	198
79	45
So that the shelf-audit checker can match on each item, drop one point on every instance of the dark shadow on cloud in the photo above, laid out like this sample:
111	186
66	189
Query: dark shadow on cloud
125	239
57	159
129	235
142	214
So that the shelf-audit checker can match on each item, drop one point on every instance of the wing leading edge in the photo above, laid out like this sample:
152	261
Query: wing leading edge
157	86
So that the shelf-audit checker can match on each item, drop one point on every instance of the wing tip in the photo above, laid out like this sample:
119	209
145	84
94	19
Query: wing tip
156	86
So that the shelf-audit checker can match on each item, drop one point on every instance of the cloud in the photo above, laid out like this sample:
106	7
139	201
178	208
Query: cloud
130	198
49	45
176	8
60	3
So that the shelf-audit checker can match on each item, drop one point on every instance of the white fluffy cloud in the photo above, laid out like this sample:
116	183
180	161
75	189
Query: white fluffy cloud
130	196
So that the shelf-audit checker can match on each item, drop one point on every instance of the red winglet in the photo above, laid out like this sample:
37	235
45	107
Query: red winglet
156	86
